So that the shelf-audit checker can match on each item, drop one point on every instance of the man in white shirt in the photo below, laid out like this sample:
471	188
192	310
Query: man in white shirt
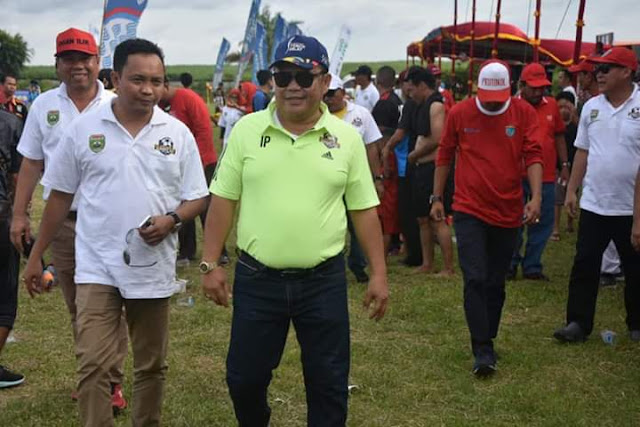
366	93
564	81
607	158
140	176
361	119
77	66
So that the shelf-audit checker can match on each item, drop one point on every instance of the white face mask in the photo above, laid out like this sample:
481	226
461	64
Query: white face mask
493	113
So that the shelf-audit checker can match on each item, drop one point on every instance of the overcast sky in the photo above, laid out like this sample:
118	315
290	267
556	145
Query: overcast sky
190	31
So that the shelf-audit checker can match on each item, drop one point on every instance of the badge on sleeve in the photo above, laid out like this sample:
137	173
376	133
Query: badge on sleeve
97	143
53	117
594	114
510	131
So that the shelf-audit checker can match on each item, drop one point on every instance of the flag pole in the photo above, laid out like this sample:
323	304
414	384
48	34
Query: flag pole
104	10
536	40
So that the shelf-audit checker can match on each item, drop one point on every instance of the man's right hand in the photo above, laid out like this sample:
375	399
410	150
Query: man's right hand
571	203
215	286
437	211
20	231
32	276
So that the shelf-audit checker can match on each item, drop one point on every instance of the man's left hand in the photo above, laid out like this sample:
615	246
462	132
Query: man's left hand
532	211
161	226
378	294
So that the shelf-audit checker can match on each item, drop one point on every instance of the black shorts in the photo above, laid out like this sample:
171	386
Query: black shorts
9	269
422	188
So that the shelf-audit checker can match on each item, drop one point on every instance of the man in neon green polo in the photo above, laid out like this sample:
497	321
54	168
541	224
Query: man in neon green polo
291	165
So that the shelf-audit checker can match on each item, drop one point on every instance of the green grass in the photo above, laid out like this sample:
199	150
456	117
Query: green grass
412	368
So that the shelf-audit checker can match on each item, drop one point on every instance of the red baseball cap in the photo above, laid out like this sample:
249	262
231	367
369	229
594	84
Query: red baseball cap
618	56
434	69
534	75
74	40
494	82
583	66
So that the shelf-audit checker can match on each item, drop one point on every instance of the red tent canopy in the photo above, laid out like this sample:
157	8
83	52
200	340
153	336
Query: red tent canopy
513	44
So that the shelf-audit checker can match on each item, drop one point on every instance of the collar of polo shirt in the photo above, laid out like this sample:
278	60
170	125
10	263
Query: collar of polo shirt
277	125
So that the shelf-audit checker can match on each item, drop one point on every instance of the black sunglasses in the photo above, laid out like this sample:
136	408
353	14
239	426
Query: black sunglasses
605	68
304	79
126	255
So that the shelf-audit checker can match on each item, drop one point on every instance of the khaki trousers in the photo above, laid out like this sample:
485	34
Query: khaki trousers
64	259
99	322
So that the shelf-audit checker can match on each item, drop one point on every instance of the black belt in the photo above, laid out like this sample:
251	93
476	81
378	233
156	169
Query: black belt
72	215
291	273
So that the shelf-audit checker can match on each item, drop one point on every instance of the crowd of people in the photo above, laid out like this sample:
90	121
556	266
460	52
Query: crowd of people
127	162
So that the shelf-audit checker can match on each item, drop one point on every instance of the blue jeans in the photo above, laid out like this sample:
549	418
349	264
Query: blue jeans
356	259
537	234
484	252
265	302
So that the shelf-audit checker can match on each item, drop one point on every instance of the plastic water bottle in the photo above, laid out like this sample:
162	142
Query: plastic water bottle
608	337
186	301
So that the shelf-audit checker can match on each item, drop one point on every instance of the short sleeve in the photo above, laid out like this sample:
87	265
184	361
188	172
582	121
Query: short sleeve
194	184
360	192
448	141
371	131
227	179
64	173
30	145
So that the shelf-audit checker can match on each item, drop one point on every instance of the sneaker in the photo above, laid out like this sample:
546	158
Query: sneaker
634	335
118	402
570	333
484	366
539	276
9	379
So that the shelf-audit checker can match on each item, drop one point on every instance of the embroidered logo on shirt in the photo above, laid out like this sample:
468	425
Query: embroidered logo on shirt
329	141
327	155
635	113
97	143
594	114
510	131
165	146
357	122
53	117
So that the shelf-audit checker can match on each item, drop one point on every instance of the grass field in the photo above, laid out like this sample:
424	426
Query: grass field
412	368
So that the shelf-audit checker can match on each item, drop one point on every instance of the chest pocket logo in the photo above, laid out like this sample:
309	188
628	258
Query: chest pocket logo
510	131
53	117
635	113
97	143
329	141
165	146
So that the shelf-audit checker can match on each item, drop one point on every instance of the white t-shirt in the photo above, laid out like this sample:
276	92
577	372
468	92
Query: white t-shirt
123	180
49	116
612	137
228	120
361	119
368	97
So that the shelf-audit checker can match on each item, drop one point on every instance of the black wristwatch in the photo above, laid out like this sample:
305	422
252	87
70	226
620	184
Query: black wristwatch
434	198
176	219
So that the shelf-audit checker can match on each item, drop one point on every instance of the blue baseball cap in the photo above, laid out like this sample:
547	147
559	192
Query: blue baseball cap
305	52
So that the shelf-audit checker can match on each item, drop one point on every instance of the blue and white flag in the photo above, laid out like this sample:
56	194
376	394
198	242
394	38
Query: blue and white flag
222	56
293	30
119	23
249	37
279	35
340	50
259	51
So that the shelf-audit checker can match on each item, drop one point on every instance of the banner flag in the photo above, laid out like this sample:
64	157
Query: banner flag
222	56
119	23
249	37
279	34
340	50
259	51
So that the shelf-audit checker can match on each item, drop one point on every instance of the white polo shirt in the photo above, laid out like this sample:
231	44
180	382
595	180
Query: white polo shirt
612	138
122	180
361	119
49	116
368	97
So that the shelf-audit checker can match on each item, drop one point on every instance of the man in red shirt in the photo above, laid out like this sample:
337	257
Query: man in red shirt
491	135
187	106
551	128
8	100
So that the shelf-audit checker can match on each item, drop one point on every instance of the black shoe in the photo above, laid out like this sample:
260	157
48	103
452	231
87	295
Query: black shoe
410	262
361	277
536	276
634	335
484	365
9	379
607	279
570	333
511	274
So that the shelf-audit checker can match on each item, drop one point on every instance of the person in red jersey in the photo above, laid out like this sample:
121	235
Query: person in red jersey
491	136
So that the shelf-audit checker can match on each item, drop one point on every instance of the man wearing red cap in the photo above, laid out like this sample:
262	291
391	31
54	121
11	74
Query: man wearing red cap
587	84
533	82
491	135
77	66
449	100
606	163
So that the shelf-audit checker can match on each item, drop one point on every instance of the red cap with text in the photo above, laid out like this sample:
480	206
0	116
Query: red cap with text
74	40
494	82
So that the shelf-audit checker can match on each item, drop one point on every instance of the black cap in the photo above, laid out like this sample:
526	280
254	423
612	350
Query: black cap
363	69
